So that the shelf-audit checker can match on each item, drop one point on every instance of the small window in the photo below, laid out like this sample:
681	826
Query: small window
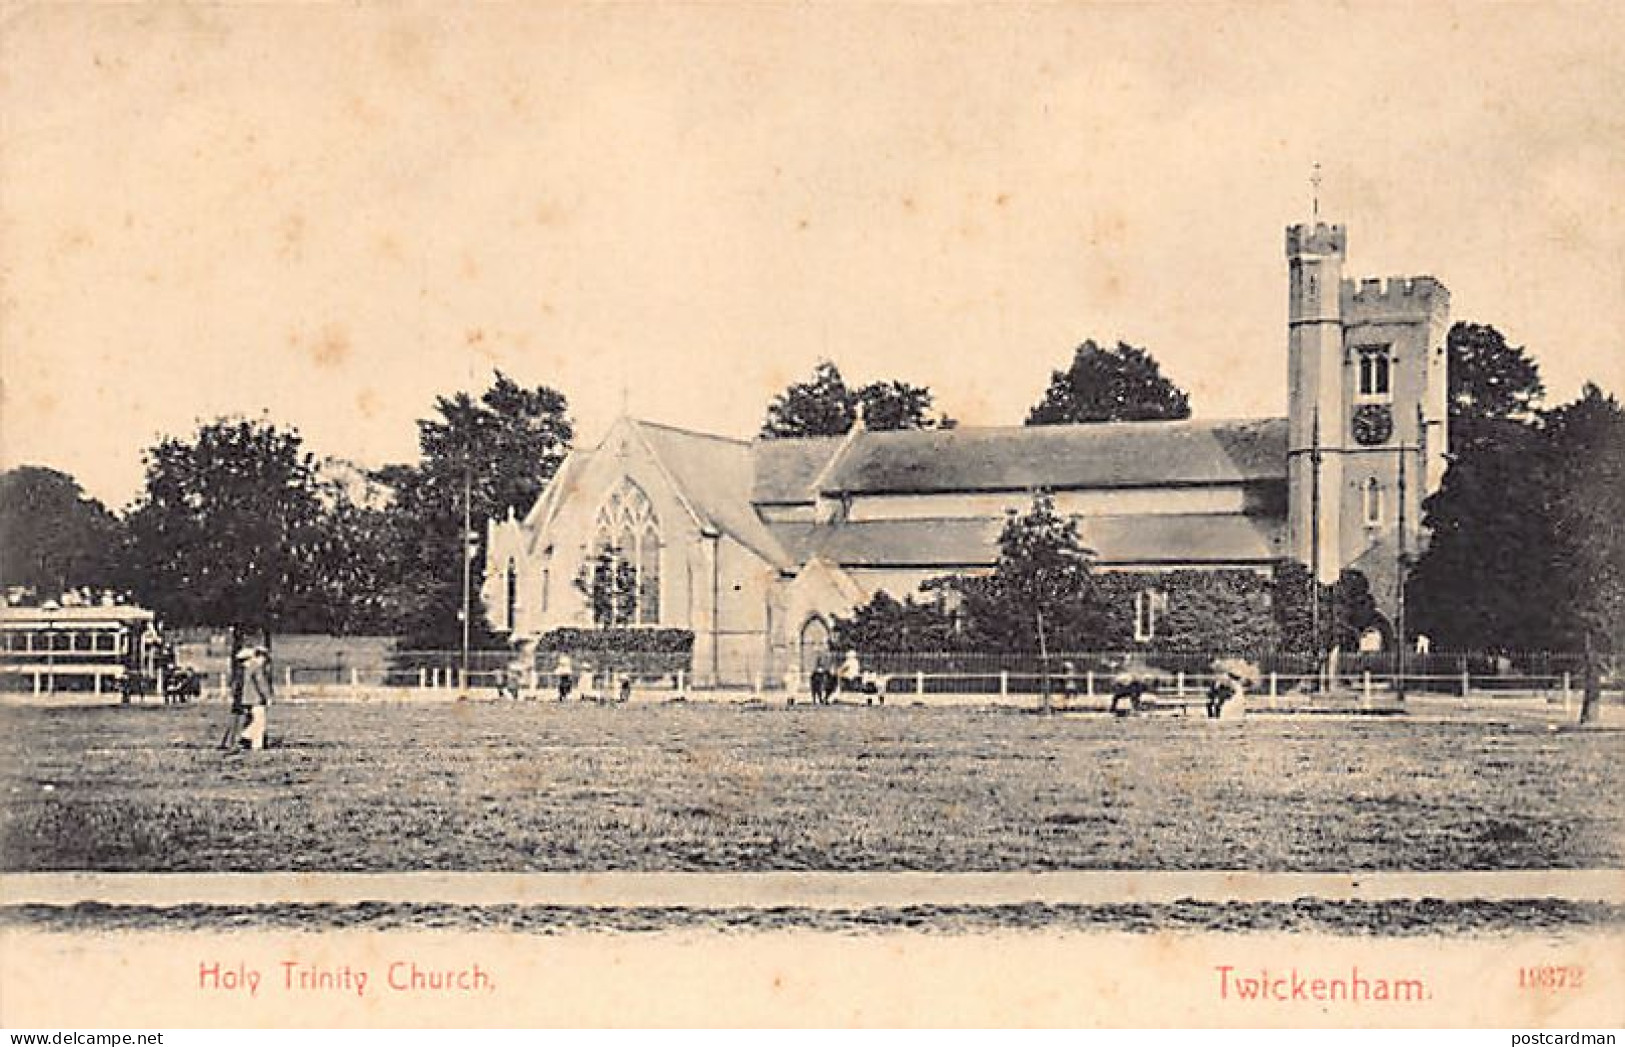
1374	373
1149	605
1372	502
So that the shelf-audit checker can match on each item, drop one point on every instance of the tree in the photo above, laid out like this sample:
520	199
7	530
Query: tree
1041	582
1490	379
1347	609
893	405
610	585
54	537
884	624
226	529
351	560
503	448
1587	451
1486	579
826	406
1353	610
1110	385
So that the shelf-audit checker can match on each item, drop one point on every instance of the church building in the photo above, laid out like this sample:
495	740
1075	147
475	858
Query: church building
756	545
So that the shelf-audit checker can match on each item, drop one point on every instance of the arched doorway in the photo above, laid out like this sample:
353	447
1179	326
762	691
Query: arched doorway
814	644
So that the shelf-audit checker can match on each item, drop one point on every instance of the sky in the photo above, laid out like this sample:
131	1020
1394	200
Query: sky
330	215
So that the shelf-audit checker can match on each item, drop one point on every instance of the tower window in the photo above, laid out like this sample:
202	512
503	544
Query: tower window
1371	502
1374	373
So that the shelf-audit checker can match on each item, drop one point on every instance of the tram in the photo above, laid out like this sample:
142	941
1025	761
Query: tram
101	650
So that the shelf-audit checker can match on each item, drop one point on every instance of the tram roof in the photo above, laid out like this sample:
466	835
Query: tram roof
36	616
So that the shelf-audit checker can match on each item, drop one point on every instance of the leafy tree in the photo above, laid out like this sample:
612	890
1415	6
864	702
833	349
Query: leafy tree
1485	581
1292	605
54	537
610	585
504	447
1587	451
1110	385
351	560
1347	609
227	527
826	406
884	624
1490	379
888	406
1198	611
1353	610
1042	582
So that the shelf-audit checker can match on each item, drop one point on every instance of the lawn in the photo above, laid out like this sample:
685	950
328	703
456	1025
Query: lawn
539	786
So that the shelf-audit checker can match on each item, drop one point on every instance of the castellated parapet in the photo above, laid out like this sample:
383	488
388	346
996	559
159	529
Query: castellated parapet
1319	238
1397	298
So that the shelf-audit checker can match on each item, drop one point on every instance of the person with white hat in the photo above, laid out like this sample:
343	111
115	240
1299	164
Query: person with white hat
257	693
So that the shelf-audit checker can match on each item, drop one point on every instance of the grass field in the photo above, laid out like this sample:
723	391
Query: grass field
489	786
1306	916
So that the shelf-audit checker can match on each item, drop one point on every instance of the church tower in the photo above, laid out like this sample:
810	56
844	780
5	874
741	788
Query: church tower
1314	391
1367	388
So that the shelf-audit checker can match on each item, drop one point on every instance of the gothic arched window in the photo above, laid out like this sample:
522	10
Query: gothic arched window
626	538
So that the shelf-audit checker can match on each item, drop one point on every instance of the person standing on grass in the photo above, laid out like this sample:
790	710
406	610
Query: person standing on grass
1069	684
257	693
239	711
564	673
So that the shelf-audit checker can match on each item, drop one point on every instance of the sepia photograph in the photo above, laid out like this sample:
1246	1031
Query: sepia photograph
779	514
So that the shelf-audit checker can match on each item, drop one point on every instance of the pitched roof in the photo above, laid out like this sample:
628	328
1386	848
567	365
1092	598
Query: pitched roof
1191	538
786	469
1106	454
723	480
1181	538
716	475
907	543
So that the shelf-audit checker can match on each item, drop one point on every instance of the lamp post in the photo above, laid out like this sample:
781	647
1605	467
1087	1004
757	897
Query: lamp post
466	542
1314	549
1399	614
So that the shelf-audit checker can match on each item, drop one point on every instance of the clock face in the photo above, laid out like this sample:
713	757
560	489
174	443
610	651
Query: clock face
1373	424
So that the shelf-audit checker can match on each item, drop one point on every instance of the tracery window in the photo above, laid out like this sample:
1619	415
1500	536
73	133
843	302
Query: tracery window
628	532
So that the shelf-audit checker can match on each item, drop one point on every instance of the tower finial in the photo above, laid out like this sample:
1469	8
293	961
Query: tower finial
1314	192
